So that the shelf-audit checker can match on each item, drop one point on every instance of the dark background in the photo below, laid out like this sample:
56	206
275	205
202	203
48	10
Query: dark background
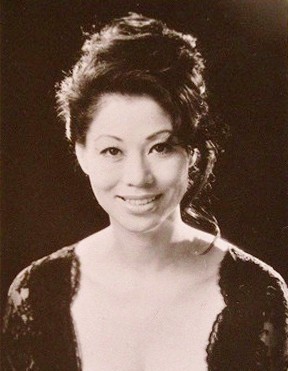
47	203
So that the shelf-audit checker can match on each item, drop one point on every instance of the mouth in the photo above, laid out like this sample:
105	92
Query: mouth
139	201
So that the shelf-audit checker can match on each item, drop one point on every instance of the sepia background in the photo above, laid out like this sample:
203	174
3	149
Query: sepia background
46	201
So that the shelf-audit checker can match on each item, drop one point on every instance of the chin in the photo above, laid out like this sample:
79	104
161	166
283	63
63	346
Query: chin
142	225
137	226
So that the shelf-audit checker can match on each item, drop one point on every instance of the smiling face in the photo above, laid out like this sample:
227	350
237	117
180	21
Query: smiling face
137	170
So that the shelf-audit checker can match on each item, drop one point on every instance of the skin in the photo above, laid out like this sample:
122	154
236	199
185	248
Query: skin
142	292
127	157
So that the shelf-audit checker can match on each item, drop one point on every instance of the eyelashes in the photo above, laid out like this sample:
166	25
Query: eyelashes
161	148
110	151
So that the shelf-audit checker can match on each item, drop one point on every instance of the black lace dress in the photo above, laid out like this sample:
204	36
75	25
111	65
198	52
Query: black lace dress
250	333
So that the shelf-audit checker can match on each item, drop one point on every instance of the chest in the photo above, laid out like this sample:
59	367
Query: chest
140	333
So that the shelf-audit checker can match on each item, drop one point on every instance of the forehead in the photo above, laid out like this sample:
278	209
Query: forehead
128	116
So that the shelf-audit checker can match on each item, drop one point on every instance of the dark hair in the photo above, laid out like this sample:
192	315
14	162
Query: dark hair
136	55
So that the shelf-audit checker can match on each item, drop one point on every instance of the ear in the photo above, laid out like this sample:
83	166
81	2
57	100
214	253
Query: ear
80	151
193	156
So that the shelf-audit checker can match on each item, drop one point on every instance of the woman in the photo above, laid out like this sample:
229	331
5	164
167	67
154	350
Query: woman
152	291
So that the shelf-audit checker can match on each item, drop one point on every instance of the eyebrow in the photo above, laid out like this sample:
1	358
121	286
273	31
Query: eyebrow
150	137
108	136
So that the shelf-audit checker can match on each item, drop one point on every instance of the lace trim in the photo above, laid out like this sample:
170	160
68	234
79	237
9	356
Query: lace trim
249	334
238	313
254	317
75	281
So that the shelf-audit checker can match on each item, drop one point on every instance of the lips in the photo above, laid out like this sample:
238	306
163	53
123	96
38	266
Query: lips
140	200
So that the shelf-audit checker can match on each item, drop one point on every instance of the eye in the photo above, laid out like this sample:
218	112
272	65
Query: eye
111	151
162	148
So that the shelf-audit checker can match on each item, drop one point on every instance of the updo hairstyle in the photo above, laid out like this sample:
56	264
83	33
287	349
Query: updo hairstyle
140	56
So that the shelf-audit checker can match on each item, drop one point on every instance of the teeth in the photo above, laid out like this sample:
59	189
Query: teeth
140	202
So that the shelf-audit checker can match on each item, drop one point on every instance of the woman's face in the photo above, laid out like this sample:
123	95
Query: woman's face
137	171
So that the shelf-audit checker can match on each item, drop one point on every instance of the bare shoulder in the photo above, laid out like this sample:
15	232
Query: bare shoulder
93	252
204	243
96	244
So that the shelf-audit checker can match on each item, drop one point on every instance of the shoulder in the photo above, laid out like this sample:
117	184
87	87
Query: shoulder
42	273
244	275
251	265
36	312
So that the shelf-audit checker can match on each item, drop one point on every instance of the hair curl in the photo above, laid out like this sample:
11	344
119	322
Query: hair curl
136	55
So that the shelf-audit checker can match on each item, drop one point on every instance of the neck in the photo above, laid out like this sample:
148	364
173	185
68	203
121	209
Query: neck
151	248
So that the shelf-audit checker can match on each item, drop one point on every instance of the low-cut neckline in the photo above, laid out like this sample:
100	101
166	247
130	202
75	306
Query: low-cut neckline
76	277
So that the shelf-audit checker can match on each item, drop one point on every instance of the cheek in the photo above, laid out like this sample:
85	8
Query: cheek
102	179
174	173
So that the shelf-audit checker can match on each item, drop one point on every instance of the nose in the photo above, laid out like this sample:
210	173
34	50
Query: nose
137	171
